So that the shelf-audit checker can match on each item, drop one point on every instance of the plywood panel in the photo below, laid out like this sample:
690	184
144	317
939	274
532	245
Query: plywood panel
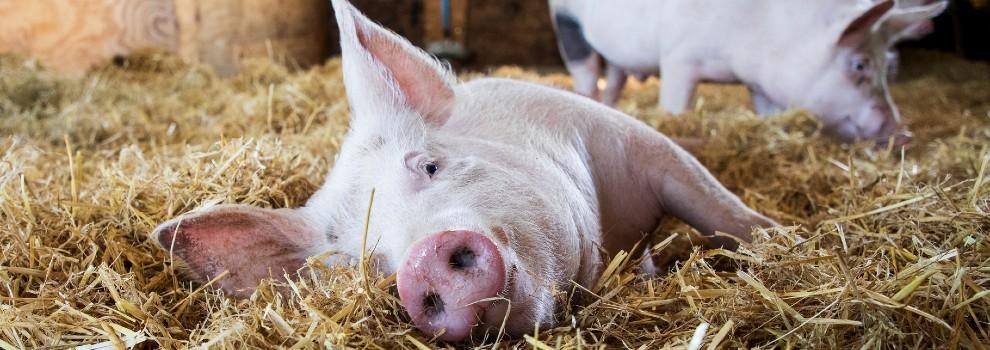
76	34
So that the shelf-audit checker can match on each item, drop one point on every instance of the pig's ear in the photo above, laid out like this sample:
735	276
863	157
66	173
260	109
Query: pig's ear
248	243
862	26
384	74
901	22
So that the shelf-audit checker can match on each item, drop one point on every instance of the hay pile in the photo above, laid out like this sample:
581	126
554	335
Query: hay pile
886	249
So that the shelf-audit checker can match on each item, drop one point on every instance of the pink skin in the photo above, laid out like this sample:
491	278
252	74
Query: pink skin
446	279
538	184
800	54
286	238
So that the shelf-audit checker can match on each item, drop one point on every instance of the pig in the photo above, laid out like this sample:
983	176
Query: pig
827	56
487	193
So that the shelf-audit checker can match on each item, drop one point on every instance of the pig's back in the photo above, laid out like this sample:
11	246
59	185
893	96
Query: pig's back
516	112
635	34
624	32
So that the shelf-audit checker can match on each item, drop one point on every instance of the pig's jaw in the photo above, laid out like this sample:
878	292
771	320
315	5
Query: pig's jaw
526	300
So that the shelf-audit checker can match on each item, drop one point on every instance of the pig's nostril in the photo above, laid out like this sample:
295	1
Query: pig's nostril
463	258
433	304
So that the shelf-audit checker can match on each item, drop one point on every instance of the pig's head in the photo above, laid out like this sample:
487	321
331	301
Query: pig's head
473	230
845	82
452	214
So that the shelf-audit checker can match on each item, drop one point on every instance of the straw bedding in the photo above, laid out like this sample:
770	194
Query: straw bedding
884	248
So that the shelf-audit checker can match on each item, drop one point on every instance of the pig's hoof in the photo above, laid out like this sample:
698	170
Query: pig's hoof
447	281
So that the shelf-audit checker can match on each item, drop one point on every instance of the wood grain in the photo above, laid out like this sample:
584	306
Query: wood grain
76	34
222	33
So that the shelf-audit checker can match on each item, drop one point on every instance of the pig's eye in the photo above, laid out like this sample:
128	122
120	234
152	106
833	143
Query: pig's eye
431	168
860	64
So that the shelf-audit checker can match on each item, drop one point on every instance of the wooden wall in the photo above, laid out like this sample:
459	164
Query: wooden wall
497	32
74	35
222	33
433	23
515	32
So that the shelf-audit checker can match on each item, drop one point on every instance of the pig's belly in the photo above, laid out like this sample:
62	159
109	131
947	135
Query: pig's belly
716	71
643	59
628	43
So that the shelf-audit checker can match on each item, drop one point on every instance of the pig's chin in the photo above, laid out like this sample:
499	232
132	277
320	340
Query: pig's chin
849	133
499	314
845	130
524	301
515	314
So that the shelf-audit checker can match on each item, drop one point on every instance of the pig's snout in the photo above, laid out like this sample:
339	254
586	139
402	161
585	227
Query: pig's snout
891	130
879	123
447	281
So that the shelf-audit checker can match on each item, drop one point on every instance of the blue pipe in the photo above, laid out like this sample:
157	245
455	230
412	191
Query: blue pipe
445	15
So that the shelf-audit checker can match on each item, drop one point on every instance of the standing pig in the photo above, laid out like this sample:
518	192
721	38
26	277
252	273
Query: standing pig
828	56
488	189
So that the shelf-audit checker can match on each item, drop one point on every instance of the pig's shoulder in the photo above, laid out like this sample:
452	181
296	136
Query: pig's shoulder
507	100
540	106
533	98
518	89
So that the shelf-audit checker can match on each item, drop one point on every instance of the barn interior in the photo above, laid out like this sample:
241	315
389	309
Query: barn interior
117	116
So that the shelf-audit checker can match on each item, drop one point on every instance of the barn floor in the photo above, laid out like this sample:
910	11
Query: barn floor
884	248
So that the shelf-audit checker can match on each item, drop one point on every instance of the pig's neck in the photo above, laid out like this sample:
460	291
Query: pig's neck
786	49
612	211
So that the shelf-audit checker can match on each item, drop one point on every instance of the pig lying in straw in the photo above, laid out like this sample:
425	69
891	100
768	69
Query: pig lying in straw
828	56
488	193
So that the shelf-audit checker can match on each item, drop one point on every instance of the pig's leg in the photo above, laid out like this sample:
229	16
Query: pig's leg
616	80
677	85
585	74
762	104
580	58
686	190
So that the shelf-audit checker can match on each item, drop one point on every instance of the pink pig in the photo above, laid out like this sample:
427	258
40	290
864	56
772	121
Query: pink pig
487	193
828	56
